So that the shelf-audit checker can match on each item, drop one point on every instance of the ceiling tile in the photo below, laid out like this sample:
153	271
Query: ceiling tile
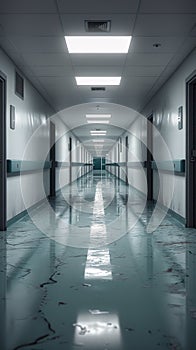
143	71
98	60
101	6
25	6
38	44
46	59
98	70
57	83
148	59
145	44
31	24
140	84
168	6
164	24
52	71
121	24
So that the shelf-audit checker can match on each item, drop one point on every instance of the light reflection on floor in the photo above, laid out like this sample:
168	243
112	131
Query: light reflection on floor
97	331
98	265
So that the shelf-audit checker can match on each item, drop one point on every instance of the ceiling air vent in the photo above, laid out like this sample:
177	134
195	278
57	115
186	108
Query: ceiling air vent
98	88
97	26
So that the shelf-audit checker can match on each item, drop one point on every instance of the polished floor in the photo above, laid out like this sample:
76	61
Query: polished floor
92	277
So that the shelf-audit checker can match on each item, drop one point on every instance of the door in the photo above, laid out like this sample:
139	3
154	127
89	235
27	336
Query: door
3	170
70	160
150	158
191	152
126	158
52	159
97	163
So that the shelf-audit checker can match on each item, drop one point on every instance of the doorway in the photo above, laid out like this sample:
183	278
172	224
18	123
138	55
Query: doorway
191	152
98	165
52	159
3	170
126	159
70	160
149	158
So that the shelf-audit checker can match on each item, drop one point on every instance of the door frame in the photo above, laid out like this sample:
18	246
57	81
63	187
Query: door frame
149	157
70	159
53	160
190	156
126	159
3	155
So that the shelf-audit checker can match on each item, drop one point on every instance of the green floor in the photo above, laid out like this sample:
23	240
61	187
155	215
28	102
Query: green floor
94	279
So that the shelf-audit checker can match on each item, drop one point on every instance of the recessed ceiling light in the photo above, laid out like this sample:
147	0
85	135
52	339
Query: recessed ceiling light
99	121
101	134
98	80
98	44
98	131
98	140
104	116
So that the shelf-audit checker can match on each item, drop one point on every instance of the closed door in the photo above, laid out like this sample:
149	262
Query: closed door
191	153
3	170
150	157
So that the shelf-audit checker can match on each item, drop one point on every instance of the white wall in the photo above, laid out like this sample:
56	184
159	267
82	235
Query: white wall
30	114
164	106
63	154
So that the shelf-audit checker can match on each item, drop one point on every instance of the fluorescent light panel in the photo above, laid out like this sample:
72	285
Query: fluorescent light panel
98	44
98	131
98	121
96	81
104	116
98	140
101	134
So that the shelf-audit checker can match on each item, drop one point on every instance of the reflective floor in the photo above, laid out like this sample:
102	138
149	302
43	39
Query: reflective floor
96	290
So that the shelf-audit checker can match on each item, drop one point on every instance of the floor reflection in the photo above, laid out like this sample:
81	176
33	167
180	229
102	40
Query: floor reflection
97	330
98	264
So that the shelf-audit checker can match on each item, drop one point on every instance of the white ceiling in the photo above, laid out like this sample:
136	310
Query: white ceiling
32	33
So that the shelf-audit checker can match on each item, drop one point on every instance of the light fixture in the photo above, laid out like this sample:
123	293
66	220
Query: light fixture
101	134
98	44
98	140
98	80
104	116
97	121
98	131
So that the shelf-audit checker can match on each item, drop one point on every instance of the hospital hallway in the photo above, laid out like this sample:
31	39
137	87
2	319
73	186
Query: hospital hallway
128	290
98	175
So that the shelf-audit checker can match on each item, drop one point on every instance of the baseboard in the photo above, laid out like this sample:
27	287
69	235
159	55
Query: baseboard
25	212
171	212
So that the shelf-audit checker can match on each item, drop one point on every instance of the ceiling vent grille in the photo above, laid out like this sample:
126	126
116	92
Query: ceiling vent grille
98	89
97	26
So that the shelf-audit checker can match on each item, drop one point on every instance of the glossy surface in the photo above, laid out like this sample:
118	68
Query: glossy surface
138	292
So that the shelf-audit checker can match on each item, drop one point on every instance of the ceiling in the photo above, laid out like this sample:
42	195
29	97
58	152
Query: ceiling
75	118
32	34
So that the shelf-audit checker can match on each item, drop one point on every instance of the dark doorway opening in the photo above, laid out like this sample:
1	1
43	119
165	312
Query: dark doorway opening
52	159
98	165
126	159
150	158
70	160
3	170
191	152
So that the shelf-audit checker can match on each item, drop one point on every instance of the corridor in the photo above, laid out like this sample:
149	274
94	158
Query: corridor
136	292
98	175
